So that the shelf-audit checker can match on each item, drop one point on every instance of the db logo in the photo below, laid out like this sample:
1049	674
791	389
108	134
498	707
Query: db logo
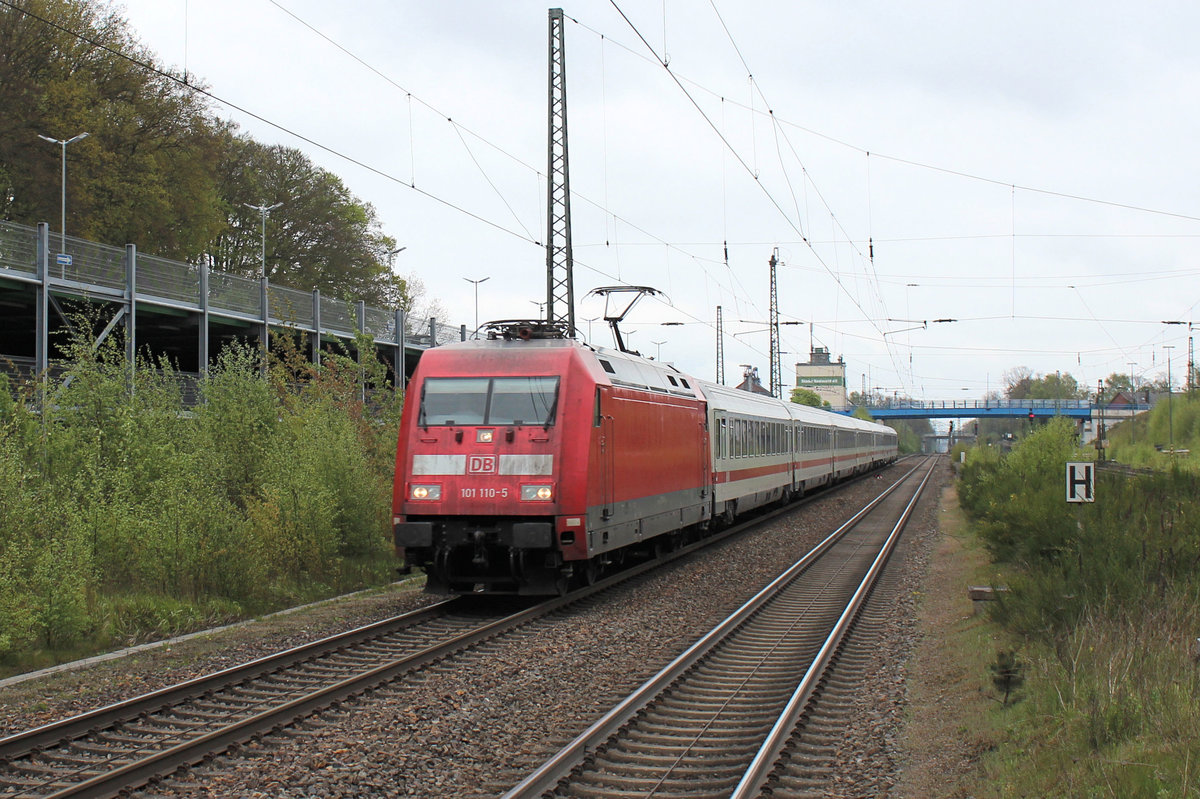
481	464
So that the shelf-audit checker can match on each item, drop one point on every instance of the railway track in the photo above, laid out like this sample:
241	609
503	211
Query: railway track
132	742
139	741
716	719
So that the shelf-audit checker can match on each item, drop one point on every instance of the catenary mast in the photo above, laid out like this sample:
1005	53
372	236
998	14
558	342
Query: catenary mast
560	284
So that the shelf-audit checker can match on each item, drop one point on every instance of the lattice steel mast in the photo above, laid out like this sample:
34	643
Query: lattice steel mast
773	322
560	283
720	348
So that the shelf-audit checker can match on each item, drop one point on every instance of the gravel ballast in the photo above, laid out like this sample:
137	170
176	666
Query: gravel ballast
474	724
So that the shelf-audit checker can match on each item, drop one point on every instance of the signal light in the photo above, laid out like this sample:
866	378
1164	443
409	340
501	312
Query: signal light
1031	416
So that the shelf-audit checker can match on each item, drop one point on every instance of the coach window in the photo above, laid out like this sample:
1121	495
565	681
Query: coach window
596	409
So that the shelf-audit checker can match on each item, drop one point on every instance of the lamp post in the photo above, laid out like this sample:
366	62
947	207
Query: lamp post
658	352
476	284
263	210
64	143
542	310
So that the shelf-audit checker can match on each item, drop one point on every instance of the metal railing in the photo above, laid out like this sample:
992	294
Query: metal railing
91	268
1027	404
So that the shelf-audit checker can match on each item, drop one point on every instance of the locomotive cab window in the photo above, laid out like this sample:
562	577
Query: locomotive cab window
483	400
447	401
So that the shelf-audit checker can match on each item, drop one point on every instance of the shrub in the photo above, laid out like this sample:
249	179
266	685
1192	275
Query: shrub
126	515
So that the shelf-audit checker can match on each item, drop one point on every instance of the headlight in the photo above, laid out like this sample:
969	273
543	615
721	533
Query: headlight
484	436
542	493
426	493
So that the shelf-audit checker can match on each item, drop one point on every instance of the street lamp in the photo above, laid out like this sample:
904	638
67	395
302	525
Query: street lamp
658	352
542	310
64	143
476	284
264	210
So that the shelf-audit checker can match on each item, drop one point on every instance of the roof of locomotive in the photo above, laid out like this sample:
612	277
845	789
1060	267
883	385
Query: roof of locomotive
637	372
619	368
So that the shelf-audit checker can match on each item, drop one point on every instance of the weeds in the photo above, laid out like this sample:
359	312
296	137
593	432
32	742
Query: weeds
1102	610
126	516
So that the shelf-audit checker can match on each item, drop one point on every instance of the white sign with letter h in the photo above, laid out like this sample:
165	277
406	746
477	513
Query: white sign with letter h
1081	482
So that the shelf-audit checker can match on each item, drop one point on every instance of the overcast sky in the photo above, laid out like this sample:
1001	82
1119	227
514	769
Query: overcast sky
1026	169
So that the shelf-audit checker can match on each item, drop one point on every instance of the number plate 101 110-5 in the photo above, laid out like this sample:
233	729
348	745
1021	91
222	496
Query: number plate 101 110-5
483	493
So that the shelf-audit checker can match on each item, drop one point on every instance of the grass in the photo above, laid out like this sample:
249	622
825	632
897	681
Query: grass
950	721
1103	619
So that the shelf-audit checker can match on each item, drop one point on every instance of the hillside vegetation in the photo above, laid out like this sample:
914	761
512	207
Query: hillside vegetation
1147	439
1102	619
125	515
160	169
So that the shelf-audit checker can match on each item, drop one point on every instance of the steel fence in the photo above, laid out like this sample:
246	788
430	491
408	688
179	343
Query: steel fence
172	282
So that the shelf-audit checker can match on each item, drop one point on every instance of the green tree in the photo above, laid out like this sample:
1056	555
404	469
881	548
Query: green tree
804	396
144	173
159	169
1021	383
320	236
910	433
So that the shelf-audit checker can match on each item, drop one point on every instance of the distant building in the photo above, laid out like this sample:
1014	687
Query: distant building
1123	399
751	383
826	378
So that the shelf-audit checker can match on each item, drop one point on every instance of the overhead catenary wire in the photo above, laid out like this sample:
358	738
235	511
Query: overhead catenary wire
772	200
410	184
697	259
605	207
280	127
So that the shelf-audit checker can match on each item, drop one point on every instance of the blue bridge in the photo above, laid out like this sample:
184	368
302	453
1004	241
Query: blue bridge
982	409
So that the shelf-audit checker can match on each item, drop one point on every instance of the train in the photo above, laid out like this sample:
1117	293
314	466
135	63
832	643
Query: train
529	461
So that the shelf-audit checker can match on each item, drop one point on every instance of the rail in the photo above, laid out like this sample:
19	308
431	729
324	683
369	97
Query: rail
755	613
170	737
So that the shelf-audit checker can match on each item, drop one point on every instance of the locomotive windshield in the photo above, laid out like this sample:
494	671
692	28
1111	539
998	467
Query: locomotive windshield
488	400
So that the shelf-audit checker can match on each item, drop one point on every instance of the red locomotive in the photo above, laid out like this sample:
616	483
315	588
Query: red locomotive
530	459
